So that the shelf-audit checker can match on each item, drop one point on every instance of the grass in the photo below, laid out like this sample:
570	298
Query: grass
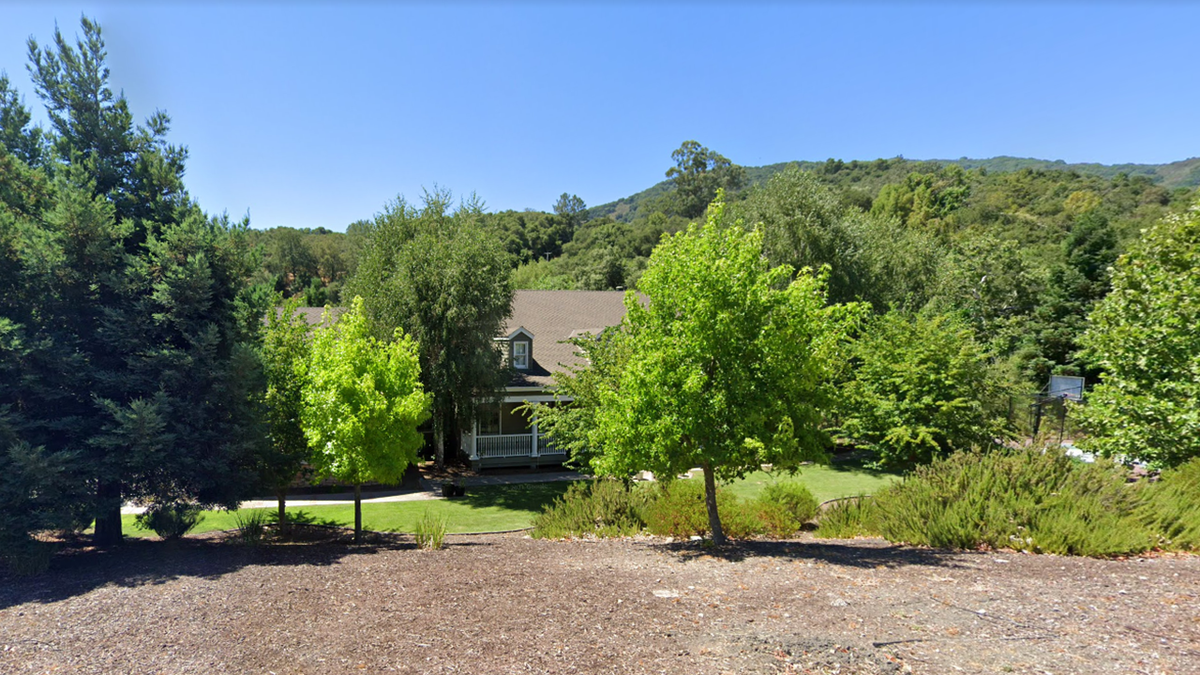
511	507
484	509
825	482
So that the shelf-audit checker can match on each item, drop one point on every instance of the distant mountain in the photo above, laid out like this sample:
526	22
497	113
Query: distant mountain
868	176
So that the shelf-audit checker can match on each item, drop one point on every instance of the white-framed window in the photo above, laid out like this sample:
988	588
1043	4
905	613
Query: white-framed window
520	354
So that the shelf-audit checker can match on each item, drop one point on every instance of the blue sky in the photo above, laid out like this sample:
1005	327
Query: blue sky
316	114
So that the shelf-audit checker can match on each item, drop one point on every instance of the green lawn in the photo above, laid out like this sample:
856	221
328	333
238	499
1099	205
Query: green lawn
484	509
824	481
511	507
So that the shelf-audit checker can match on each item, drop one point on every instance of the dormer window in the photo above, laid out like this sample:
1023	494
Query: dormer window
520	354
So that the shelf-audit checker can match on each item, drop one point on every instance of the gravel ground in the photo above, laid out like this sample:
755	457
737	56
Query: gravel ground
511	604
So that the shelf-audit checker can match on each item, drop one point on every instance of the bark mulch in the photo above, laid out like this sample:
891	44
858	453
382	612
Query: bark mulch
511	604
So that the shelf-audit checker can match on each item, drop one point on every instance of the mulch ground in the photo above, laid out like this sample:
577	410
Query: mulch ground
511	604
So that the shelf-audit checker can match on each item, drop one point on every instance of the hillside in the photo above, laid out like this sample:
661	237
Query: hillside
869	176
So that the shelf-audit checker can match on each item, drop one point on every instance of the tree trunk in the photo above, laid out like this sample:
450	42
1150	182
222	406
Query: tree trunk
358	513
451	437
439	446
281	493
710	500
108	514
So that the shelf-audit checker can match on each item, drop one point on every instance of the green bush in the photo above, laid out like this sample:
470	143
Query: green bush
431	532
252	525
604	508
1027	500
1171	507
170	521
849	518
921	390
28	557
794	497
679	511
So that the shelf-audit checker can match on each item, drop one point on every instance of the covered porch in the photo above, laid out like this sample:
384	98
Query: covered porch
506	435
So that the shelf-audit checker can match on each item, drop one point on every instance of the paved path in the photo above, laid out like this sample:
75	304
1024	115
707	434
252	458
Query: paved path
430	489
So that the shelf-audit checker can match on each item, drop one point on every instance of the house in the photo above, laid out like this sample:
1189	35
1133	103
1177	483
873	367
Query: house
534	341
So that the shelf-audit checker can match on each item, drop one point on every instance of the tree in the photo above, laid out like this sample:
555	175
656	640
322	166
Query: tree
726	368
1143	336
128	326
444	278
698	174
362	402
920	390
571	211
285	356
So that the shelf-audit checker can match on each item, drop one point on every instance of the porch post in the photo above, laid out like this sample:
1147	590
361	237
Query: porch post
473	450
535	437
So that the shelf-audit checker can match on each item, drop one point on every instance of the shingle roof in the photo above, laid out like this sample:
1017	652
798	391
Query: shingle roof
555	316
552	317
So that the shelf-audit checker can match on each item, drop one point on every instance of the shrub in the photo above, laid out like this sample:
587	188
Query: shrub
679	511
252	525
604	508
1027	500
849	518
783	508
431	532
1171	507
28	557
171	520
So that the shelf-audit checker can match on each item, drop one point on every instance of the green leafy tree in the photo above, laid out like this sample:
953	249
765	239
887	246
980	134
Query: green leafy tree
726	368
361	404
920	389
698	174
444	278
1144	337
285	356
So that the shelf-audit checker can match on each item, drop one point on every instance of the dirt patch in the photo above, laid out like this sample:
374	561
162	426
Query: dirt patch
508	604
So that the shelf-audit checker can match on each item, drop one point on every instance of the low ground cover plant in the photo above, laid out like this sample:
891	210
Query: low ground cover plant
604	508
1029	500
607	508
1170	507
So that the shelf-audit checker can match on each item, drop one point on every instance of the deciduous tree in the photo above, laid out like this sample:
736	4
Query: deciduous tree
1145	337
362	402
726	368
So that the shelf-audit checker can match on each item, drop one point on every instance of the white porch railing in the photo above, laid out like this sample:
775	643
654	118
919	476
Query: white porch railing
506	445
547	447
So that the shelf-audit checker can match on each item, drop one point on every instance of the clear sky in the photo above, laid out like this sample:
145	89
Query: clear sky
316	114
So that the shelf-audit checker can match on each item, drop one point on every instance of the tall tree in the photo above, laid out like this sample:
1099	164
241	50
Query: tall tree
571	211
698	174
443	277
726	368
1145	337
130	313
285	357
362	402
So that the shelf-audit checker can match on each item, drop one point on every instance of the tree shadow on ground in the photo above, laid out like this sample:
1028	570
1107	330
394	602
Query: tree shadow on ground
80	568
863	554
